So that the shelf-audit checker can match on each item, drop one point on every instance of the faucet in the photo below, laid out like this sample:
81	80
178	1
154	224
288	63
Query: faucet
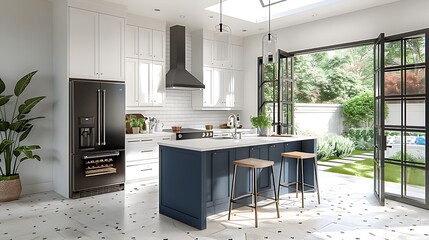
235	124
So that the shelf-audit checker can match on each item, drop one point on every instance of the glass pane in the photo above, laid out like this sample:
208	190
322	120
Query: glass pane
270	72
415	183
393	143
415	148
289	68
377	187
392	83
268	108
392	177
393	113
392	53
415	50
415	81
416	113
269	91
376	57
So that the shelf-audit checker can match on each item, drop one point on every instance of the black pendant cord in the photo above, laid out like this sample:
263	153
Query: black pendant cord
220	17
269	20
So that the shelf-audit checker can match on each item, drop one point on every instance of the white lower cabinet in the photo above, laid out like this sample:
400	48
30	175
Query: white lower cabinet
142	157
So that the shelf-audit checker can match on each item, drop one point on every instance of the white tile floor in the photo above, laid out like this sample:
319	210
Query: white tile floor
348	211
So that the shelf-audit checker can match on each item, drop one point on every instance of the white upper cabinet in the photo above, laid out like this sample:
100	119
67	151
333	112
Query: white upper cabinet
132	82
222	78
145	43
237	57
96	45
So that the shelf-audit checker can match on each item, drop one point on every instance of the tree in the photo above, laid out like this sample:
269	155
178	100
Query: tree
359	111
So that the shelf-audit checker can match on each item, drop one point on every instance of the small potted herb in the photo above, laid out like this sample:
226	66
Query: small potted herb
134	124
263	123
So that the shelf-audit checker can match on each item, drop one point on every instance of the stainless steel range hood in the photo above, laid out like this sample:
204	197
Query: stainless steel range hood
178	77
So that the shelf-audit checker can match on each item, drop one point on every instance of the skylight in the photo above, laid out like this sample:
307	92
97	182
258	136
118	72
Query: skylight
252	10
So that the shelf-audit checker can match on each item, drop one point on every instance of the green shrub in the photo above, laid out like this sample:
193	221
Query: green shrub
331	145
359	111
363	138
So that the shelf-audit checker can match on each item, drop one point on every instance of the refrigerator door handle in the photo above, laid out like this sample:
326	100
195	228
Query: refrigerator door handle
98	118
104	117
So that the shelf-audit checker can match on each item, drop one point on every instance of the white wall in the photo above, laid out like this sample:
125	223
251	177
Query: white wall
178	108
26	45
329	118
399	17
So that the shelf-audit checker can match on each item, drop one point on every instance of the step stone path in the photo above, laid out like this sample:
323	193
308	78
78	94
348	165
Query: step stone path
324	165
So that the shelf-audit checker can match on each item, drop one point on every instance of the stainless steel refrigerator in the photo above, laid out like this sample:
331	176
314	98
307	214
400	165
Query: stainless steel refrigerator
97	159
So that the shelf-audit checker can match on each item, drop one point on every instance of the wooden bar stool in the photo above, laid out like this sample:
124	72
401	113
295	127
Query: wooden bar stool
299	157
254	164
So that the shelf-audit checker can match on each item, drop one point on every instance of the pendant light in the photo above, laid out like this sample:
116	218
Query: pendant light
269	43
221	38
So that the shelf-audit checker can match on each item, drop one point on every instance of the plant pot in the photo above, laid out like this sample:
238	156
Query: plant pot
135	130
264	131
10	189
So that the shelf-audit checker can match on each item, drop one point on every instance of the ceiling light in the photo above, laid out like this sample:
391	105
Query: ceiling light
269	42
221	35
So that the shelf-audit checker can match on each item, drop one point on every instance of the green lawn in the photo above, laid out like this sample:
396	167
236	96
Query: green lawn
392	173
355	152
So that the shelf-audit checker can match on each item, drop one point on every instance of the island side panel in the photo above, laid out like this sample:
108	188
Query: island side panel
309	146
182	185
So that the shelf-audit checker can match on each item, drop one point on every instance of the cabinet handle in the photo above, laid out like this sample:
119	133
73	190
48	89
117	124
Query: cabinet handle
166	138
145	151
148	169
133	141
146	140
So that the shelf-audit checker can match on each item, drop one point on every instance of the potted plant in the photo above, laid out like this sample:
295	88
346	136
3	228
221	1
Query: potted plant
134	124
15	126
263	123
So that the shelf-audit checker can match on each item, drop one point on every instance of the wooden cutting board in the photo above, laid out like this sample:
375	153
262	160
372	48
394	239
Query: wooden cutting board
127	124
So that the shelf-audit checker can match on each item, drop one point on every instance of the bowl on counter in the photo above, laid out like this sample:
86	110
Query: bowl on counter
209	127
176	128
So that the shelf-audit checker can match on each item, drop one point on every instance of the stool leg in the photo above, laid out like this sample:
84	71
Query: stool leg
302	181
276	197
280	179
255	195
232	192
297	175
317	180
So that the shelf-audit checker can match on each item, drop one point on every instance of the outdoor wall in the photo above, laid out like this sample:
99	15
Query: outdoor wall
399	17
25	46
319	119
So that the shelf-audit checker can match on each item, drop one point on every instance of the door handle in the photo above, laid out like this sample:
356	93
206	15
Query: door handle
104	117
98	118
114	154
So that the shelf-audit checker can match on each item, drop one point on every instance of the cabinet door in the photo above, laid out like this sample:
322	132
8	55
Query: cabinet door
157	83
131	41
207	92
228	88
238	89
132	82
83	44
221	176
221	55
217	88
144	82
237	57
158	45
145	43
264	181
207	53
112	61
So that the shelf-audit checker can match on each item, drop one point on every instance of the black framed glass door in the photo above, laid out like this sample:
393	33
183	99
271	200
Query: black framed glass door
379	142
405	124
275	92
401	111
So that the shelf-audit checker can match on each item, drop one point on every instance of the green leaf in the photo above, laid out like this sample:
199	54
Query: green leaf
16	126
23	83
4	125
5	144
2	86
4	99
25	133
29	104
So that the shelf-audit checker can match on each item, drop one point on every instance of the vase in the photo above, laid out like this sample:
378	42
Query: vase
264	131
10	189
135	130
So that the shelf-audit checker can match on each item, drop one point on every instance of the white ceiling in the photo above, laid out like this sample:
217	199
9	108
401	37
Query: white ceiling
192	13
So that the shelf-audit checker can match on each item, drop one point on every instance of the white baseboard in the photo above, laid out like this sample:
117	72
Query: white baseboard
36	188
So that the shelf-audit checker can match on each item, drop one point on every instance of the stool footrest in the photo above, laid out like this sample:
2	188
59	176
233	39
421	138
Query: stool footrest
290	185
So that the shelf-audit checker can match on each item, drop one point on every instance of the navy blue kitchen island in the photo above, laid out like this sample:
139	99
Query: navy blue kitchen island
195	176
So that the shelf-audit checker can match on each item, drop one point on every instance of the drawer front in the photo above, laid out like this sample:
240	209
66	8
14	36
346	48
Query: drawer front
140	171
141	151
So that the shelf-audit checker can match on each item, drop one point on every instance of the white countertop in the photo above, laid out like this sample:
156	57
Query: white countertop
210	144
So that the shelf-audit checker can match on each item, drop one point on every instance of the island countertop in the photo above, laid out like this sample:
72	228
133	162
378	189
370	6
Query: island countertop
210	144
